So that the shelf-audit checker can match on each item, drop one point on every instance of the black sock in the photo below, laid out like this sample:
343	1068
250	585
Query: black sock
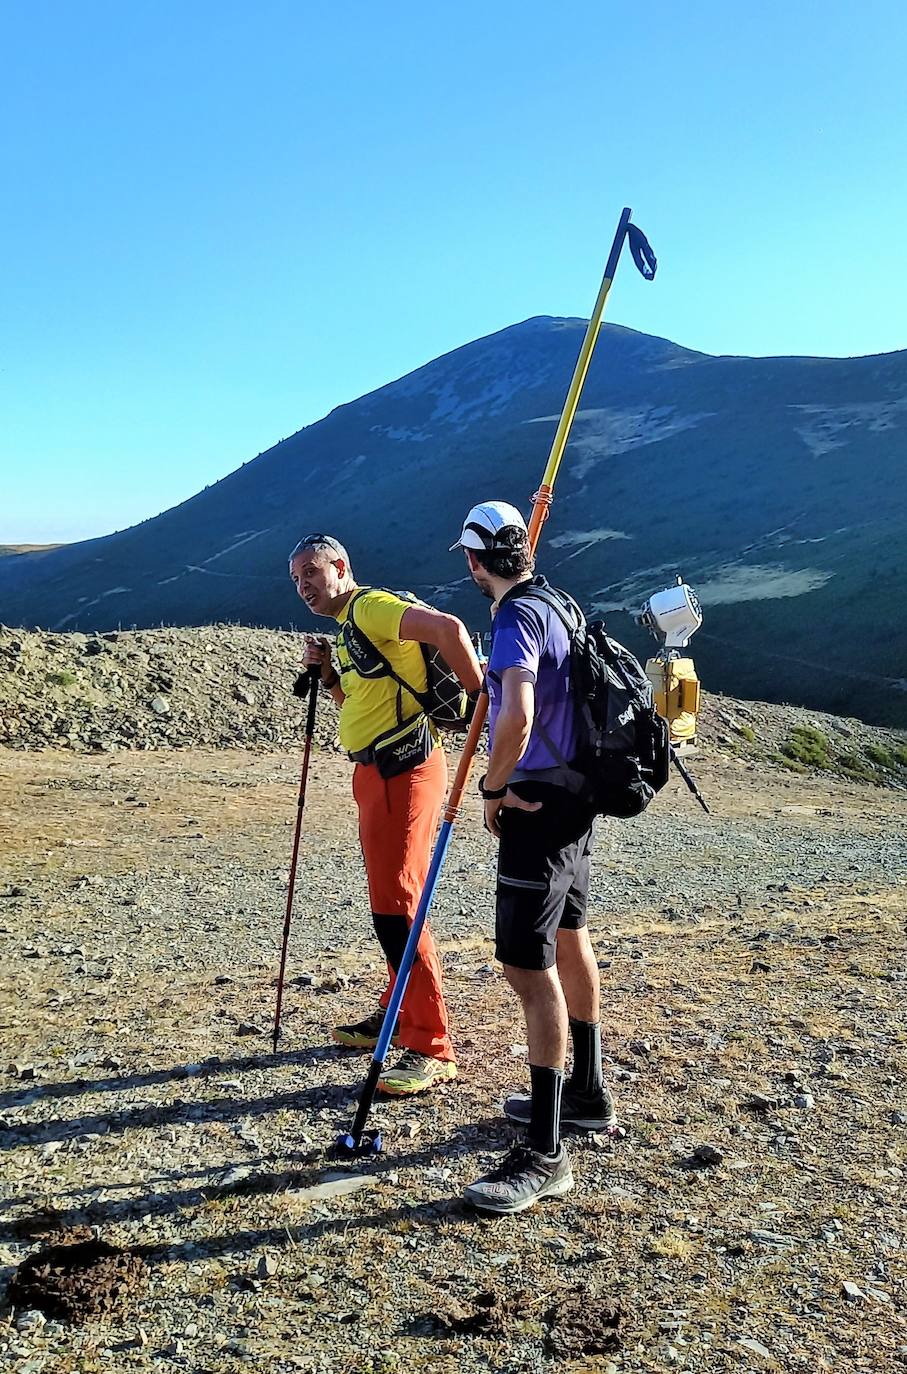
392	932
545	1115
587	1057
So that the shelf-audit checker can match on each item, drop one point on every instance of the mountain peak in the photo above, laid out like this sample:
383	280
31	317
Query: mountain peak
767	482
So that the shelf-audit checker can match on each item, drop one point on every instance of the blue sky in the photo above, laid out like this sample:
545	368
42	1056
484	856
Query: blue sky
223	219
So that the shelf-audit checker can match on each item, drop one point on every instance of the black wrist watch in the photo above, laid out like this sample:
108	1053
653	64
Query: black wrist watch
332	681
491	793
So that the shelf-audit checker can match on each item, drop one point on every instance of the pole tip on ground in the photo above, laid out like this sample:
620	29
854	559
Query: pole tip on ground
370	1143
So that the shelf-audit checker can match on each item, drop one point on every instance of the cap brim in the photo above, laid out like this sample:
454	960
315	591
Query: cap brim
465	542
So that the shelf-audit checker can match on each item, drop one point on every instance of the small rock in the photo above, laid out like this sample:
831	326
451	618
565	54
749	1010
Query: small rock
519	1050
899	1118
879	1295
805	1101
852	1293
708	1154
759	1102
241	1349
233	1178
23	1071
267	1266
755	1347
32	1320
248	1028
160	706
331	1185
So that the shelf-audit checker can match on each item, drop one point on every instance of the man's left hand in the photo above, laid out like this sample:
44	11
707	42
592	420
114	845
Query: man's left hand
494	805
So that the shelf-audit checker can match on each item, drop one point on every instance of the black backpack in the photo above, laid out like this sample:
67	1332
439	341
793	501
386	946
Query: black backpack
445	701
623	744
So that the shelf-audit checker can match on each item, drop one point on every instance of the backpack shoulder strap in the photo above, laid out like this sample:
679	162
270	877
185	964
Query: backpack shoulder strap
382	659
563	605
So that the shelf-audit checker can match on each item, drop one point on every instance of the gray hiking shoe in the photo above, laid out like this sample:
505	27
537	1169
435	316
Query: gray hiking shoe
520	1180
582	1111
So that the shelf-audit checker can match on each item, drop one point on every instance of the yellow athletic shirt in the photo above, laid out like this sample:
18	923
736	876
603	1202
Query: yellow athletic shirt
371	703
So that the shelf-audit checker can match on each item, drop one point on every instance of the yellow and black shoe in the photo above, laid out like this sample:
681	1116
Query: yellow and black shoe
415	1073
362	1035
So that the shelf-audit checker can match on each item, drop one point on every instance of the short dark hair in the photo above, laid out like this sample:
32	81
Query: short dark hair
514	559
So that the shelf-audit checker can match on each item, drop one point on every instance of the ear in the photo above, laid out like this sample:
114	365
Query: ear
340	565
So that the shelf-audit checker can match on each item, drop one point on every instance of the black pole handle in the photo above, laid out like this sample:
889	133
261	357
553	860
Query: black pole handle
314	674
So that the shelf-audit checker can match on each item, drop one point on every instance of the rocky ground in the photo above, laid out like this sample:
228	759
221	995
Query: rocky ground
755	967
227	685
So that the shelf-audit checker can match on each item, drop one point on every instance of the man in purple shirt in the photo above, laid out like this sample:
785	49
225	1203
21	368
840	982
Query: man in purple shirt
544	829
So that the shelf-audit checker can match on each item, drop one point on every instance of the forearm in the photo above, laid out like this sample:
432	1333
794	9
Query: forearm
511	736
459	653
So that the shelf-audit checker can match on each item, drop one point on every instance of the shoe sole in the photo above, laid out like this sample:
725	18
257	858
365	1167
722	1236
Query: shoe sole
578	1123
360	1042
557	1188
401	1090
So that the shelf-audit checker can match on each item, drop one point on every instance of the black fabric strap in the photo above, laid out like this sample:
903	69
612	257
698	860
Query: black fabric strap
386	665
642	254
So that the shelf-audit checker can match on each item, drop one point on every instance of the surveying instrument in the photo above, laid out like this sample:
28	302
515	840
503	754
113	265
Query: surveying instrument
673	617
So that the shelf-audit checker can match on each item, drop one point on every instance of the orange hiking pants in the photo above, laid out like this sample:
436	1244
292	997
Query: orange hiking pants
397	821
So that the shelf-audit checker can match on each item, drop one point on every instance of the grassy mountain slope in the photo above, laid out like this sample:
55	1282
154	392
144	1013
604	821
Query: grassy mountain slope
774	485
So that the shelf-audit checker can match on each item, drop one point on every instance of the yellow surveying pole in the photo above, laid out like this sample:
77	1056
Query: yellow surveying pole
542	499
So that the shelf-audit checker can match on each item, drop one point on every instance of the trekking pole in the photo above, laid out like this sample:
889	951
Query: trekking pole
313	675
689	780
645	261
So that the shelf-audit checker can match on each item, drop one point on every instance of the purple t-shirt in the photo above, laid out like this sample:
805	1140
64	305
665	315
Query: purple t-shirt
528	634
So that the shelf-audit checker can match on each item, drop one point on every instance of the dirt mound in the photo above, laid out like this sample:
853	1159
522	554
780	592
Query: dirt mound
584	1325
228	686
76	1280
221	686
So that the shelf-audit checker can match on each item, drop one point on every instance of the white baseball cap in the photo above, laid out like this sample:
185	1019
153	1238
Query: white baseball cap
485	523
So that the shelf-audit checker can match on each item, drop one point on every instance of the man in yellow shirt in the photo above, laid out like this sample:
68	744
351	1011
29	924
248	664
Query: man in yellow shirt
399	781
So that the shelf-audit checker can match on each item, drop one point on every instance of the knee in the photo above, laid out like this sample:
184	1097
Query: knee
574	945
530	985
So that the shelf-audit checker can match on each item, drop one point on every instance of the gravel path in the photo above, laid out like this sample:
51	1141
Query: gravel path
754	967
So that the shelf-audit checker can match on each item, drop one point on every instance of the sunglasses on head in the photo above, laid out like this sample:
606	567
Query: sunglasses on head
314	540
